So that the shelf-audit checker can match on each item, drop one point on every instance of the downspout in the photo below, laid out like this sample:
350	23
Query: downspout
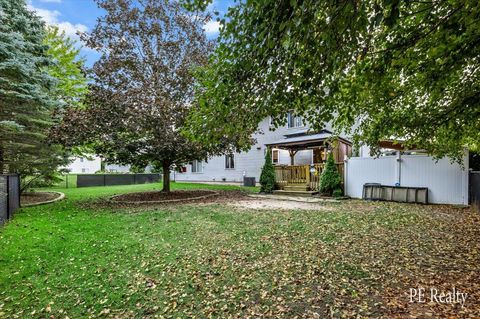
399	169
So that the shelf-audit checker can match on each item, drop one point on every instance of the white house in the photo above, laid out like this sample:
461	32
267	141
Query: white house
85	165
298	155
93	164
234	167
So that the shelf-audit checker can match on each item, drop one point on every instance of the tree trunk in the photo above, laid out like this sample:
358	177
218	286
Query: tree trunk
166	177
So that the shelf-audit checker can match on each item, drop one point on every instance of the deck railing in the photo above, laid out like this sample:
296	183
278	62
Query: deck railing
301	175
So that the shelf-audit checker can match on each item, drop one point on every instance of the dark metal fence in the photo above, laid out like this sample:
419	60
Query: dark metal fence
9	196
475	189
87	180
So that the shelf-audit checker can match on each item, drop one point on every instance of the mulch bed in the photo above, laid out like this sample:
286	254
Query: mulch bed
37	197
177	197
161	196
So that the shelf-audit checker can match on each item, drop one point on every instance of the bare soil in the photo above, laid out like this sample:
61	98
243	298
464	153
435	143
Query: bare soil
178	196
275	204
37	197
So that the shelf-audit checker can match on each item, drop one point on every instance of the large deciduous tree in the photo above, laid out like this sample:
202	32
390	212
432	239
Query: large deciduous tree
27	95
400	69
143	85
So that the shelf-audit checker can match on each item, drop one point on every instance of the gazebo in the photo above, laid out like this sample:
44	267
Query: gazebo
305	178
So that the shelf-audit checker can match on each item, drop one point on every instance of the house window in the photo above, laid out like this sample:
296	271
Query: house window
84	170
81	159
294	121
197	167
275	156
229	161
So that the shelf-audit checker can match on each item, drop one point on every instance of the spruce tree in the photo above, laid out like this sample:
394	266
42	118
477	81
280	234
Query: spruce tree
267	177
330	179
28	95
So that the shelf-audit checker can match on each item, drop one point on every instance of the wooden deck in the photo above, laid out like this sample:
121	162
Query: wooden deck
299	178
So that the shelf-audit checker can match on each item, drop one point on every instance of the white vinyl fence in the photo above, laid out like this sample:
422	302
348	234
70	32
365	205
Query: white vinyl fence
447	182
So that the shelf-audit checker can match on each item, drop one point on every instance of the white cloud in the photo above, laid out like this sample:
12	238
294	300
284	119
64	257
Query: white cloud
212	27
71	29
51	17
212	6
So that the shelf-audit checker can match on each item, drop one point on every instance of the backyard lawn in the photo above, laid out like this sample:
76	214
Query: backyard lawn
83	258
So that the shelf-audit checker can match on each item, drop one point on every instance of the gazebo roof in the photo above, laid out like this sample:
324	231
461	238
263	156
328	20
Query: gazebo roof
304	140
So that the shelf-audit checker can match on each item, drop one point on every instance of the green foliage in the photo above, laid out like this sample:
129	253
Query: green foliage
337	193
67	67
28	96
330	179
143	86
403	69
137	169
267	177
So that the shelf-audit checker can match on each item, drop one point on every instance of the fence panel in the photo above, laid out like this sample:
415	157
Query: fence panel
119	179
87	180
447	182
146	178
13	194
363	170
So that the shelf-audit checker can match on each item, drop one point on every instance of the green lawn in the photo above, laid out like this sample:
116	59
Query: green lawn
348	259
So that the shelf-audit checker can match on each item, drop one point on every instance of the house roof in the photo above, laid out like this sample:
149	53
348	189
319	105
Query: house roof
302	140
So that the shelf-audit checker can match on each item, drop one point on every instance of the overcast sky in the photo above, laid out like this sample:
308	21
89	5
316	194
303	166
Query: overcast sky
80	15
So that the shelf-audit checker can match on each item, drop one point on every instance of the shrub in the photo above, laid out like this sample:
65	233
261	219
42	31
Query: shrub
330	179
267	178
337	193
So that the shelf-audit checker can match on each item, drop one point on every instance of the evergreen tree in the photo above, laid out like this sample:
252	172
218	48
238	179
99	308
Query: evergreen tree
25	103
267	177
30	92
330	179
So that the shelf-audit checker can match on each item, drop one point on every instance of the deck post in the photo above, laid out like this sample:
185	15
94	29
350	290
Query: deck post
307	174
292	156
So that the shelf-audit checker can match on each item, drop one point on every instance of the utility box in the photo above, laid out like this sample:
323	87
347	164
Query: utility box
249	181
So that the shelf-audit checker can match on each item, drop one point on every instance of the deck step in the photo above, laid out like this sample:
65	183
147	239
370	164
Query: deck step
295	193
296	187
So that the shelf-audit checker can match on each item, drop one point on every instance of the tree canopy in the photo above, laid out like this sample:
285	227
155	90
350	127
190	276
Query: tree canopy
67	67
143	85
407	70
27	91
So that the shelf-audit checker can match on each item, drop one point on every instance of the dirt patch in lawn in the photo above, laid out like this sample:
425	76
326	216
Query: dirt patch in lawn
163	197
275	204
33	198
